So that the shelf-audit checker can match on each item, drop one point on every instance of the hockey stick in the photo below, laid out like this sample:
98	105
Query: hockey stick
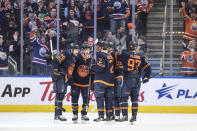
51	46
158	74
90	77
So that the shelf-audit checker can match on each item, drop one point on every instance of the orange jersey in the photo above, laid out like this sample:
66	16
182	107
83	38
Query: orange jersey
189	63
190	27
145	5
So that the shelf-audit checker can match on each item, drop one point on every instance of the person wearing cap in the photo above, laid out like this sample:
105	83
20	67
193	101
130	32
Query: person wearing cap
3	57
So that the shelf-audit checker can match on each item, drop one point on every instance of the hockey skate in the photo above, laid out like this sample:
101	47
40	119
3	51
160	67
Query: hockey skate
75	119
133	118
117	118
124	118
109	117
59	119
101	118
84	118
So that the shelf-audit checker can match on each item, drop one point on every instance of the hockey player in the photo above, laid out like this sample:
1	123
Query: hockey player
62	68
103	82
81	75
118	81
133	64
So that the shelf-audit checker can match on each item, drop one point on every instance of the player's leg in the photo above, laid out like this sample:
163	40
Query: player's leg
75	92
58	107
117	94
125	92
60	88
85	104
108	98
99	94
134	100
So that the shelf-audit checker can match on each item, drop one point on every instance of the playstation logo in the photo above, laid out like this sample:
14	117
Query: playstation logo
165	91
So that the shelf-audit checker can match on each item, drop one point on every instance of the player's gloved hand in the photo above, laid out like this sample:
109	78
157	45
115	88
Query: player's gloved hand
55	76
145	80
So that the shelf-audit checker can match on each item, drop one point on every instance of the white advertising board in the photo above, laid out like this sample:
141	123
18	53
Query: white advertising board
39	91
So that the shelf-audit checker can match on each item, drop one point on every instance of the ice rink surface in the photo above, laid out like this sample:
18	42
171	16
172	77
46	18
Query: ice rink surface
145	122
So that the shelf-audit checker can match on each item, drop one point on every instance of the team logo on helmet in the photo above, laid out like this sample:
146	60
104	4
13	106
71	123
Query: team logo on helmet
194	26
42	51
117	5
83	70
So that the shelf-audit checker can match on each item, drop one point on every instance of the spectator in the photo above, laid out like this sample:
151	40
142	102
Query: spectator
86	10
51	20
71	5
8	24
142	45
119	11
129	35
189	60
144	7
72	34
30	21
40	56
101	12
40	9
119	39
3	57
190	25
14	52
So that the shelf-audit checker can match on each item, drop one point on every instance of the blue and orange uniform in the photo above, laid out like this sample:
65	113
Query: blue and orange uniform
133	65
103	83
62	69
80	83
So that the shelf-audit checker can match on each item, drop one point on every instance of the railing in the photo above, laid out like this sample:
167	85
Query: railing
13	63
162	60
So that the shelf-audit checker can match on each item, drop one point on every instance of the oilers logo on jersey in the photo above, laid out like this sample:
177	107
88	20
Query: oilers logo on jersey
194	26
117	5
190	60
42	51
83	70
144	3
3	55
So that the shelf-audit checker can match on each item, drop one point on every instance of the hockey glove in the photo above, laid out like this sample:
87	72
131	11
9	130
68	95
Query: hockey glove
145	80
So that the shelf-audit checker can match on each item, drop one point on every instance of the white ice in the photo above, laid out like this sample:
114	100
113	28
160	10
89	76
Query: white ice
145	122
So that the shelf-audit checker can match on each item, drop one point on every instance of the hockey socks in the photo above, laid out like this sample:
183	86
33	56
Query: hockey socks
58	104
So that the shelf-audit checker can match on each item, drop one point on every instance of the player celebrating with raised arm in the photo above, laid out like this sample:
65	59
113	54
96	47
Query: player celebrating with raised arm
133	65
62	68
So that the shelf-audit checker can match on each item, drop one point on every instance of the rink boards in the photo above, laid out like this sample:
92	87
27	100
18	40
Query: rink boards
160	95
